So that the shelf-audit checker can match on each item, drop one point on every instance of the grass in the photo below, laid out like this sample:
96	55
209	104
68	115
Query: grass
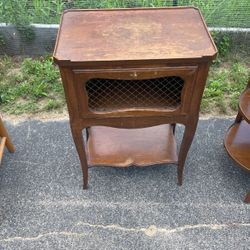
219	13
29	86
34	85
224	85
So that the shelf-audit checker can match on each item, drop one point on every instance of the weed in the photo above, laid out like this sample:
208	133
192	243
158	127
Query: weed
234	102
26	32
221	105
223	13
224	87
34	85
206	105
222	42
2	40
16	11
31	87
53	104
47	11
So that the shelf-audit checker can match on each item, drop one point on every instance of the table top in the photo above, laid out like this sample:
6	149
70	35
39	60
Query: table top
133	34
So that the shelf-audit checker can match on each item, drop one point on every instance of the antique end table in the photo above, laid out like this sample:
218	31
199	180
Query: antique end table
237	138
129	76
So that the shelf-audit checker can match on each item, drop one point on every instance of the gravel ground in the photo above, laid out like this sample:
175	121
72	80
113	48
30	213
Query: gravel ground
43	206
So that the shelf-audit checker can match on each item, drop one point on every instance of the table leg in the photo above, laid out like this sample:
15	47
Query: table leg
247	198
4	133
188	136
238	118
79	143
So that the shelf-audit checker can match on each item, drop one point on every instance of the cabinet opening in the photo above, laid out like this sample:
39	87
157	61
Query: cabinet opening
107	95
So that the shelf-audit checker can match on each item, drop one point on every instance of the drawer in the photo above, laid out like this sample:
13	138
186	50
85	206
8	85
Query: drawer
130	91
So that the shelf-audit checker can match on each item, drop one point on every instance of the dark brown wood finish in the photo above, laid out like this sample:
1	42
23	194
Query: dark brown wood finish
237	138
132	35
244	103
237	143
126	147
166	50
247	198
5	140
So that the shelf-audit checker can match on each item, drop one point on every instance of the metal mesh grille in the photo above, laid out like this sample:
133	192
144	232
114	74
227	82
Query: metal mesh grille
105	95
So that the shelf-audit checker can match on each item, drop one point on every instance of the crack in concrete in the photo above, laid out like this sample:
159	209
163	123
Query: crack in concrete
149	231
152	229
18	238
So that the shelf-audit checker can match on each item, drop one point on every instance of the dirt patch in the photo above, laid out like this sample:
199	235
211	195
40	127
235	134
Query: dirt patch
59	116
43	116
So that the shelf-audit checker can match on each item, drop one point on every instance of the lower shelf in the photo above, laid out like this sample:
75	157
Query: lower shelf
244	104
237	144
108	146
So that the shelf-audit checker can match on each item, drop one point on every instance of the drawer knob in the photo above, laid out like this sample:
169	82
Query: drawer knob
134	75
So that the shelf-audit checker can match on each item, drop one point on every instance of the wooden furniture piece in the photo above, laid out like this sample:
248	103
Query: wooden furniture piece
237	139
129	76
4	140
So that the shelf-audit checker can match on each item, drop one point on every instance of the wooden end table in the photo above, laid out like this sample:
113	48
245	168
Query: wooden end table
129	76
237	139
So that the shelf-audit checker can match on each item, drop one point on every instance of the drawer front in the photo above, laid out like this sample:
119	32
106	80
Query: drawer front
134	91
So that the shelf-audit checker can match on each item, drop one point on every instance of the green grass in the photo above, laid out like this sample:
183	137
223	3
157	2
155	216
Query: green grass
219	13
34	85
224	85
30	86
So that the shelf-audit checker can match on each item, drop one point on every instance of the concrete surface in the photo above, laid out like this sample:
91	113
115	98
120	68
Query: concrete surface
43	206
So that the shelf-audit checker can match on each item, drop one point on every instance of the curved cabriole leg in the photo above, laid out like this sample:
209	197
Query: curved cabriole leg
4	133
79	143
188	136
247	198
238	118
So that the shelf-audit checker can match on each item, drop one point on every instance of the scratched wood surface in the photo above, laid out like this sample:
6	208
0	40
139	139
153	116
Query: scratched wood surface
133	45
135	34
125	147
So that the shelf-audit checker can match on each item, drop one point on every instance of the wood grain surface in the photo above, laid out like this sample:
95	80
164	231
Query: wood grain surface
133	34
237	143
125	147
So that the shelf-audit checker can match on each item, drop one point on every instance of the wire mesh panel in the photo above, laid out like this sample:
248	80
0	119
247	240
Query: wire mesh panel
105	95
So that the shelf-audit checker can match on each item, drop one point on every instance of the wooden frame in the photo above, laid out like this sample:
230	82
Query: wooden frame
187	73
89	55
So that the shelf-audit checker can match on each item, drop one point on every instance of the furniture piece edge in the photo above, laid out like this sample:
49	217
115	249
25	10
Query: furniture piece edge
227	148
66	61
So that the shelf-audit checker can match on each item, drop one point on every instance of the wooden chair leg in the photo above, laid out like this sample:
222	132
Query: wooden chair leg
79	143
4	133
185	145
2	145
238	118
247	198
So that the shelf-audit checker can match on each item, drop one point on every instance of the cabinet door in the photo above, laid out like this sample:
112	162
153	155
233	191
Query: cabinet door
120	92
